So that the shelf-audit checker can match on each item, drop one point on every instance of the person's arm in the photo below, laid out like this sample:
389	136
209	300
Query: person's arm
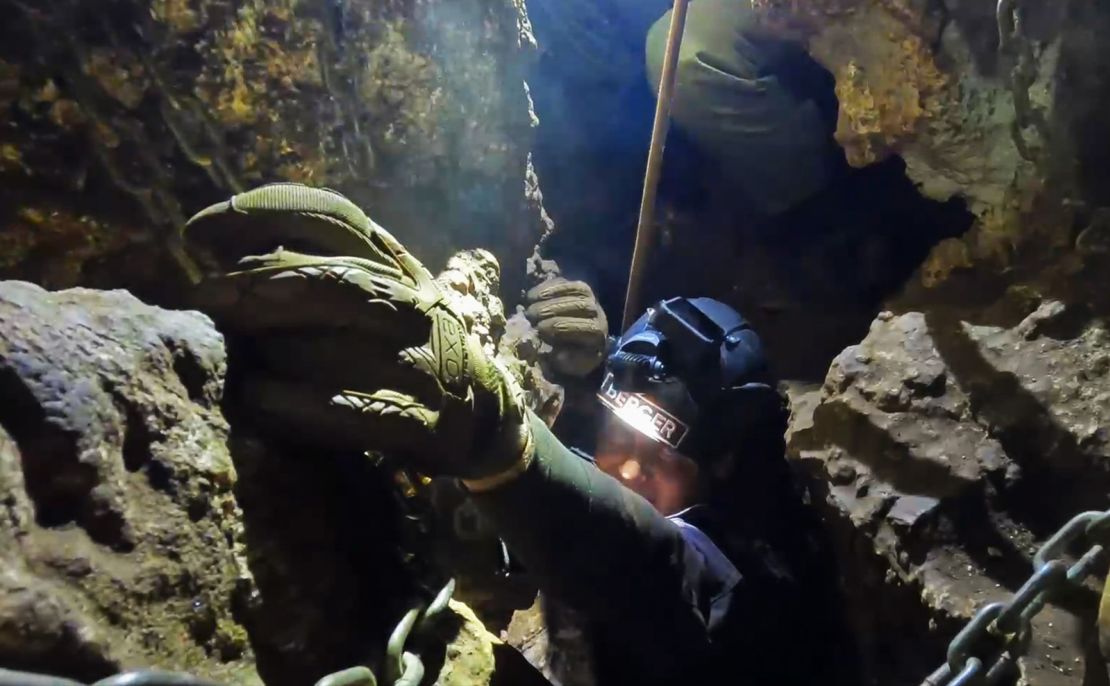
427	392
602	550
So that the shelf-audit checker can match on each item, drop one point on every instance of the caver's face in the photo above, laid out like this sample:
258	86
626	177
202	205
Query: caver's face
664	477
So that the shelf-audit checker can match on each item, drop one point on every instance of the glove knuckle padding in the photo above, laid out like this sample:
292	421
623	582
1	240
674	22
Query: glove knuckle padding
387	419
558	288
571	330
295	295
289	407
338	240
566	306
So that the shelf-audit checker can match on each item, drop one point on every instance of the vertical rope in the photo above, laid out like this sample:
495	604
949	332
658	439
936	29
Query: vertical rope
645	227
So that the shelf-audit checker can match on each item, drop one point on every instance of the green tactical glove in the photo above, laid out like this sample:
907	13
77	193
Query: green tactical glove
1104	621
352	344
568	318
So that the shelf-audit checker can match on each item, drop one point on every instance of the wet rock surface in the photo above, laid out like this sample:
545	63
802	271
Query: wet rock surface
943	453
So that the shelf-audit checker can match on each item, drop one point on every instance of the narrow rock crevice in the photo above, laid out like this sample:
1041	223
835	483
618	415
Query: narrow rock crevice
57	482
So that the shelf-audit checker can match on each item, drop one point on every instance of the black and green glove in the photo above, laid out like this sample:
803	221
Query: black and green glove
351	342
569	319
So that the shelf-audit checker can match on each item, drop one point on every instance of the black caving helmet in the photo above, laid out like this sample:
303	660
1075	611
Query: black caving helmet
691	373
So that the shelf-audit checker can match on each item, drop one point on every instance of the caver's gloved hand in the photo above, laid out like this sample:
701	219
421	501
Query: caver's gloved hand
351	343
567	317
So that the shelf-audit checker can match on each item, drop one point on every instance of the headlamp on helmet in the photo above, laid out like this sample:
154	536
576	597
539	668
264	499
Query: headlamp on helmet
670	371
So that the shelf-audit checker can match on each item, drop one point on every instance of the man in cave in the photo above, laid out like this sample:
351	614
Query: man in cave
355	348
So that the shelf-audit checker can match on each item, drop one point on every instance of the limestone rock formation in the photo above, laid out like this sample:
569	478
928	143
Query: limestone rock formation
944	450
923	80
550	637
968	425
475	656
122	540
521	348
992	103
142	530
472	281
131	540
116	123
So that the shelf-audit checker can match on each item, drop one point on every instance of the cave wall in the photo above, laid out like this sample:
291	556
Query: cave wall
145	531
147	524
121	536
967	425
991	103
944	451
963	424
118	120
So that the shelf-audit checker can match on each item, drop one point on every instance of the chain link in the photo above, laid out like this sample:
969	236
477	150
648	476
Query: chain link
405	668
1010	623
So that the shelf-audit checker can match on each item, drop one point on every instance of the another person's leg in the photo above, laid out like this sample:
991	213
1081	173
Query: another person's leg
771	141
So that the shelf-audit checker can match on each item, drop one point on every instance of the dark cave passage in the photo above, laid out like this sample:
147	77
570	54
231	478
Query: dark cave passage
810	279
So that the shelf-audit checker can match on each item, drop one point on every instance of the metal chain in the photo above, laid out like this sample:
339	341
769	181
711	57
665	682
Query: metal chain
405	668
1010	623
1006	623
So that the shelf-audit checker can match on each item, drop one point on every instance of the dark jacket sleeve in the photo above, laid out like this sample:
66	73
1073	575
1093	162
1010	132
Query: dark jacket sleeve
602	550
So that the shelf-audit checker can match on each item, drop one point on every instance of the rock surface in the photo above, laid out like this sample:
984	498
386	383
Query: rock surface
140	529
550	637
122	541
924	80
968	425
992	103
116	125
472	281
944	451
